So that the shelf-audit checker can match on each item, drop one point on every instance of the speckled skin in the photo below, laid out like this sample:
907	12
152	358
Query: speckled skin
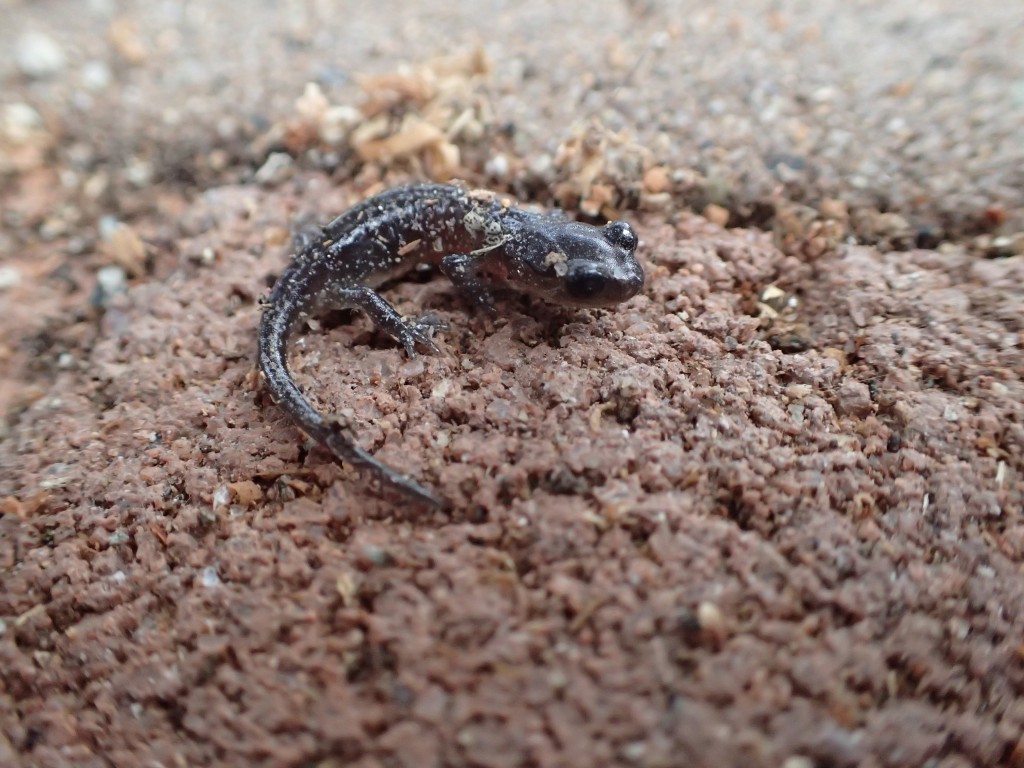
479	242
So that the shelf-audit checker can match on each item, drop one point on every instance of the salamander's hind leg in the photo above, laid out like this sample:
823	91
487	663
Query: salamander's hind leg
386	317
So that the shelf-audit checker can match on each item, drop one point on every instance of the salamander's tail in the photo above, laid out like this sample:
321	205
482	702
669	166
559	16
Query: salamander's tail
276	326
345	449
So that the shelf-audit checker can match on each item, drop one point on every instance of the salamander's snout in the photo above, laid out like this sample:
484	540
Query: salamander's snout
602	283
632	278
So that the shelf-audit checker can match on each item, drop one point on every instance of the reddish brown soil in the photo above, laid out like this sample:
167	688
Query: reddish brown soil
767	513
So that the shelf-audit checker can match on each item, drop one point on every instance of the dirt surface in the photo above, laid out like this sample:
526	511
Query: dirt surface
767	513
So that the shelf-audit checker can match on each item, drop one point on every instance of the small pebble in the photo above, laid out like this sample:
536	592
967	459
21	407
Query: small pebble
634	751
118	537
834	209
275	169
139	172
541	165
712	622
775	297
52	228
126	249
9	277
108	225
126	41
716	214
221	497
497	167
337	122
19	122
95	76
110	281
38	55
853	399
372	555
209	577
657	179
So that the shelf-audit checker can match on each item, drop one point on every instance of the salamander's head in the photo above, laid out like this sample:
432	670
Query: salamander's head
575	264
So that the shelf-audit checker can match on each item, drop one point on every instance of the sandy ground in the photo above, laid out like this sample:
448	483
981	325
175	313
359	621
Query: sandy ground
767	513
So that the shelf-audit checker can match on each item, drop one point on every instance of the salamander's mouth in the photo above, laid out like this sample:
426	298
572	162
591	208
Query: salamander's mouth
590	284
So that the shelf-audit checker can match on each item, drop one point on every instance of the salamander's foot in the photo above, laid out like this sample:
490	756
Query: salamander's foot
419	331
431	324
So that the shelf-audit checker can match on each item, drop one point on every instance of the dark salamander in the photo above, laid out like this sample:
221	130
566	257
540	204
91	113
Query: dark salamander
479	241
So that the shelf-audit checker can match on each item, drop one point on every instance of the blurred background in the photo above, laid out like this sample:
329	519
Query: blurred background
899	120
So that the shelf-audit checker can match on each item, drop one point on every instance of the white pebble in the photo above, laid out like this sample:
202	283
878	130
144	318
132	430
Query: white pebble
209	577
221	497
138	172
337	122
275	169
111	280
20	121
118	537
38	55
9	277
95	75
497	167
108	226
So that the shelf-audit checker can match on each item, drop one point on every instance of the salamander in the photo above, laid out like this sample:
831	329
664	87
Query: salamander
477	239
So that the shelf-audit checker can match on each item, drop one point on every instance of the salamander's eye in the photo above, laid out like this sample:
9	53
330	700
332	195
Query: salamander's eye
584	284
621	235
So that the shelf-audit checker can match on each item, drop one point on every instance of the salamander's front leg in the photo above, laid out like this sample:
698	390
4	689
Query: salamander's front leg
464	272
385	317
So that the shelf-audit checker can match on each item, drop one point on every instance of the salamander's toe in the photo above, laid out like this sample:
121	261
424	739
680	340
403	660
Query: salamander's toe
421	332
431	324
